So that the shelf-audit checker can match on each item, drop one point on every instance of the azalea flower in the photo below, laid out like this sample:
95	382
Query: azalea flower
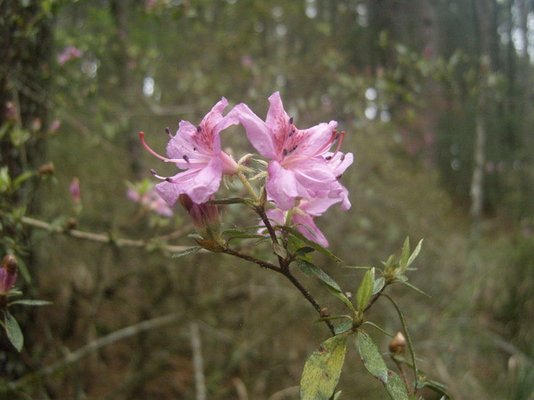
197	150
302	216
301	164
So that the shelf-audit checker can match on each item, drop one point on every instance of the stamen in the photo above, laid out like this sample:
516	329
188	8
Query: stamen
168	131
284	152
186	158
163	178
199	128
328	158
339	138
291	121
149	149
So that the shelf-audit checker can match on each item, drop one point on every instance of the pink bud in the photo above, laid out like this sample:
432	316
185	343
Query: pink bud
74	189
8	273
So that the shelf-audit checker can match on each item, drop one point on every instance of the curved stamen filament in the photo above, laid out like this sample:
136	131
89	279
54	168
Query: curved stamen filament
155	154
339	138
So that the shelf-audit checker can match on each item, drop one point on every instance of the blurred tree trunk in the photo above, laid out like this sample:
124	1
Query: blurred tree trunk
126	86
484	14
525	130
25	47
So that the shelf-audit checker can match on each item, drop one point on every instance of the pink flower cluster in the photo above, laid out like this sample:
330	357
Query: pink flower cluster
304	165
67	54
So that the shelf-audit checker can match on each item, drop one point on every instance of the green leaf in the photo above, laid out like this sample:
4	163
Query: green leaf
337	396
186	252
396	387
371	357
378	285
312	270
311	243
14	334
365	291
29	302
23	269
415	288
405	252
415	253
279	250
230	200
343	326
237	234
323	369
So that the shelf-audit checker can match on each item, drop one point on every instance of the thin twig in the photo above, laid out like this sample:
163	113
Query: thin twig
252	259
308	296
408	339
98	237
198	361
93	346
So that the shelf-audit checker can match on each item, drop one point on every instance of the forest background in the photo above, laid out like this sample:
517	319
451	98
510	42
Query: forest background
436	98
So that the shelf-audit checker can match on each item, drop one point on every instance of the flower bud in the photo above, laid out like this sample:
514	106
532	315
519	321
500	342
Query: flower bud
47	169
397	344
8	273
205	218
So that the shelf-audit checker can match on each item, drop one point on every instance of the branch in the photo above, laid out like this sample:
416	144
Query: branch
254	260
98	237
95	345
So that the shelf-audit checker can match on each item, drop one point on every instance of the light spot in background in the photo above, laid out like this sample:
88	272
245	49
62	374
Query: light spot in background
311	8
371	111
148	86
361	10
280	80
456	164
277	12
280	30
385	116
371	94
90	68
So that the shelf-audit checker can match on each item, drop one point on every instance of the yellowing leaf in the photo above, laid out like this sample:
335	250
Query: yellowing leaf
322	370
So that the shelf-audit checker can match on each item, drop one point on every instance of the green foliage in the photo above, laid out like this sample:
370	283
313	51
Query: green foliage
323	369
376	366
12	328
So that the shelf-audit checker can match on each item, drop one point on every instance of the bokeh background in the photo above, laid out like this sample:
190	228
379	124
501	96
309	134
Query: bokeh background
436	97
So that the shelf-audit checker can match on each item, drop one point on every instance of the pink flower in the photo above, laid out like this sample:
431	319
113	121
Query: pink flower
197	150
150	200
301	165
302	216
75	192
8	273
67	54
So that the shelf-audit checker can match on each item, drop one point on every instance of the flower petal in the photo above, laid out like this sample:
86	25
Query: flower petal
257	131
317	139
307	227
281	186
277	119
198	184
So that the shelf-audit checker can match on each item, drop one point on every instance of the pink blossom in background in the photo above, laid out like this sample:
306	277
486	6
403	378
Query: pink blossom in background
197	150
75	191
303	215
301	164
150	200
8	274
67	54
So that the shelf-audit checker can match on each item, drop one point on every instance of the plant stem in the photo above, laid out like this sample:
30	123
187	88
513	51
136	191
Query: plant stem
247	185
105	238
408	339
261	263
307	295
